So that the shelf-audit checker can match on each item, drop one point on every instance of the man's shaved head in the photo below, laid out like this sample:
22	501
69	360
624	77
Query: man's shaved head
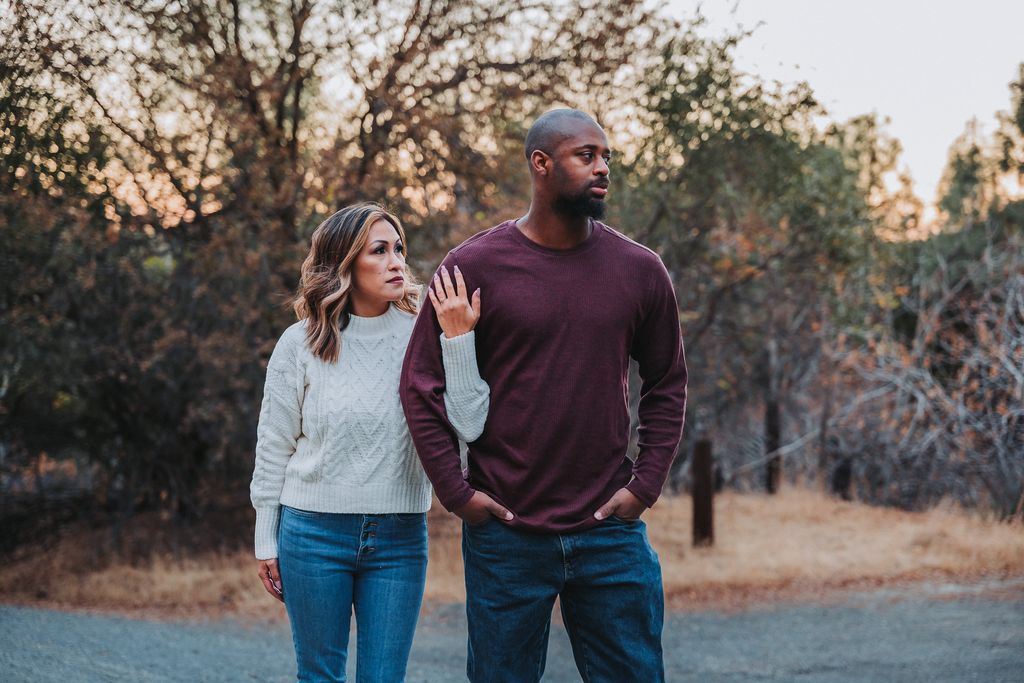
548	131
568	155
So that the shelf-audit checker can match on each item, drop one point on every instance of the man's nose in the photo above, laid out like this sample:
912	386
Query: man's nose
602	167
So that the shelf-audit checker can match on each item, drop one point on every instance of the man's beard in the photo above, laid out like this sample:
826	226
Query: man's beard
583	204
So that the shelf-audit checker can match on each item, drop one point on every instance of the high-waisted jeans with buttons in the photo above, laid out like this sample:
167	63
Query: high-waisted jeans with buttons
335	564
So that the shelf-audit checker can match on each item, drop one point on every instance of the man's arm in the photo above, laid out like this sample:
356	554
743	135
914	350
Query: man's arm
422	390
658	349
422	393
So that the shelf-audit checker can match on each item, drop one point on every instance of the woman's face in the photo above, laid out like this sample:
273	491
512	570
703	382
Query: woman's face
378	273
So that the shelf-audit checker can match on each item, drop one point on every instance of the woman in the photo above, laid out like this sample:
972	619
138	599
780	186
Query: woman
339	492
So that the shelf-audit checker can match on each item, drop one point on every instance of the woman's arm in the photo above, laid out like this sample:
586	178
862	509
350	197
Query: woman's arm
467	398
280	425
466	395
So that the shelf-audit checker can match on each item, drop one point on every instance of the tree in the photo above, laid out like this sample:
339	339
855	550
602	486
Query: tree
939	354
755	214
229	130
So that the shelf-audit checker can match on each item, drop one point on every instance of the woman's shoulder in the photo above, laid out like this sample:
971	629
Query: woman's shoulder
292	340
295	333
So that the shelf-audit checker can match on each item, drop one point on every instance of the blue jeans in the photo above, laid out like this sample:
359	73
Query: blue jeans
609	582
333	563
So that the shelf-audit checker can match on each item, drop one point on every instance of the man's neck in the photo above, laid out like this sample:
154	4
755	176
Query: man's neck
554	230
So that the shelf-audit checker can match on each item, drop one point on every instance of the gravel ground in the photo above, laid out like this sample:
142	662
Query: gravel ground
942	634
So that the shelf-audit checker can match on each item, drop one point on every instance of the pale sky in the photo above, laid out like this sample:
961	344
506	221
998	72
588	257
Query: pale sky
927	66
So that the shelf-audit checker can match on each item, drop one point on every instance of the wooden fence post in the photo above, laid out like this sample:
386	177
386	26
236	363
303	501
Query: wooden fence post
773	440
703	495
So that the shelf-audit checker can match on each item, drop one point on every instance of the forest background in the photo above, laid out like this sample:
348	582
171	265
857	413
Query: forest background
163	163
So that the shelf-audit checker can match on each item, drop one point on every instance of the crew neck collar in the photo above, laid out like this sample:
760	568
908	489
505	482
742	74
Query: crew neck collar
597	228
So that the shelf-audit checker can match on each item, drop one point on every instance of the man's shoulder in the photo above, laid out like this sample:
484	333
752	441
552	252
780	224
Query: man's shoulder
481	243
630	247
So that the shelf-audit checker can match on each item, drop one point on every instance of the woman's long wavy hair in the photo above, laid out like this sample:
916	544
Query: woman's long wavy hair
324	297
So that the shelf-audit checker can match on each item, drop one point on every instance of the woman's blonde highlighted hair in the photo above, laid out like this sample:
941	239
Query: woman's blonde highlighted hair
324	296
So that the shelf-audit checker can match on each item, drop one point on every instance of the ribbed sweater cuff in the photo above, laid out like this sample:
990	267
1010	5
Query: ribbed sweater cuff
642	493
452	501
266	532
461	374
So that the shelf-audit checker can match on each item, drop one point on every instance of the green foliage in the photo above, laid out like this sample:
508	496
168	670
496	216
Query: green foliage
757	215
967	181
1010	135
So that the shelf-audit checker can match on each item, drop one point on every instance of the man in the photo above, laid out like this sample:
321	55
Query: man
551	505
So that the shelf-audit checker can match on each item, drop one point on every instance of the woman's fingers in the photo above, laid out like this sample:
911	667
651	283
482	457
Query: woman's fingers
449	288
460	284
439	288
457	311
271	578
275	575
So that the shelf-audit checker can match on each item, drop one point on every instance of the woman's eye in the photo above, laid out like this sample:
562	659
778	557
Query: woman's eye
399	249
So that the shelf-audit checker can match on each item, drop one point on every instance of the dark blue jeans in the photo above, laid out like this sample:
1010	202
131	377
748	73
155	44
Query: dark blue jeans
335	564
609	583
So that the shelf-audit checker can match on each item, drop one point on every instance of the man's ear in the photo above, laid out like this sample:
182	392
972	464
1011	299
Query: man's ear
540	163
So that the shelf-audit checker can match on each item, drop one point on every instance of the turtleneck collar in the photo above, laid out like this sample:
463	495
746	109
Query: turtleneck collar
359	326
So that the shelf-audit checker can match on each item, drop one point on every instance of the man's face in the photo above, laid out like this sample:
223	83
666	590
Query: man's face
579	178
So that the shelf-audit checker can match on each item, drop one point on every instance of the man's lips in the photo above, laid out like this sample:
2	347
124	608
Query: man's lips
600	189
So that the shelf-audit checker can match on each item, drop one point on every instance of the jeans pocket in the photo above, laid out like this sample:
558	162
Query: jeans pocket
480	525
410	518
622	520
308	514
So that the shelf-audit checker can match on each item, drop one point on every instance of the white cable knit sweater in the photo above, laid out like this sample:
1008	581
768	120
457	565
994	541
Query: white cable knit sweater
333	437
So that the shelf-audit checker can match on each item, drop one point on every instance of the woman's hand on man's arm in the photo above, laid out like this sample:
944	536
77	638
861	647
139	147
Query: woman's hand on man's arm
456	312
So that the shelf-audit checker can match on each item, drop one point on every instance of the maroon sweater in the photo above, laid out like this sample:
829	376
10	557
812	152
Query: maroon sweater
556	332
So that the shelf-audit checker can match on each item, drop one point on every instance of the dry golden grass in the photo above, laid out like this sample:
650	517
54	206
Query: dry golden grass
796	545
800	543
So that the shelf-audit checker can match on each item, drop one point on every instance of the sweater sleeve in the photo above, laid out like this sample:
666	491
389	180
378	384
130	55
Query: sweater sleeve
466	396
422	390
658	350
277	433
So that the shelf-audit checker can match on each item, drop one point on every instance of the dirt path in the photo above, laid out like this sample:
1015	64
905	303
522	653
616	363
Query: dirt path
937	633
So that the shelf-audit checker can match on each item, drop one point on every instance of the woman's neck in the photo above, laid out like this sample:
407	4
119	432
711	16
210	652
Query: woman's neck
369	309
